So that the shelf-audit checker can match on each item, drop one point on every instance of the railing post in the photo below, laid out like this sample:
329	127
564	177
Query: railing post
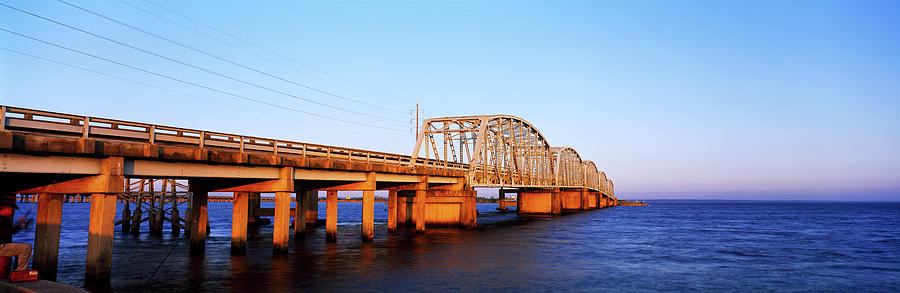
242	144
304	150
202	138
275	146
152	133
2	118
87	127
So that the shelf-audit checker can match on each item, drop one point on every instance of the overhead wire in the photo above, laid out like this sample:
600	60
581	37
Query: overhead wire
240	65
211	100
276	53
195	84
225	59
250	52
193	66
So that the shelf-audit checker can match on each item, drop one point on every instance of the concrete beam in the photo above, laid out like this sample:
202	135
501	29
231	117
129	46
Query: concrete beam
19	163
151	169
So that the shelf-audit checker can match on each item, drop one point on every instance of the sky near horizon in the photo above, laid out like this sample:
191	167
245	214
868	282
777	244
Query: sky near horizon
672	99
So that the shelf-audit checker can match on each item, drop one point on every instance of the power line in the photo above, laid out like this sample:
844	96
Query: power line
169	90
237	64
195	84
224	59
248	52
276	53
195	66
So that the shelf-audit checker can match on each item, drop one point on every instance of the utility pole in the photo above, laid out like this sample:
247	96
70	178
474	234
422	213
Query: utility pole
417	121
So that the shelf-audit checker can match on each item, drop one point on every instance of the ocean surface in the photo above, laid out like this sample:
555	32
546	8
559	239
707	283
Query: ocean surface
670	245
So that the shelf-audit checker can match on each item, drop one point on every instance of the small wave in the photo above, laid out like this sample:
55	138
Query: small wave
739	253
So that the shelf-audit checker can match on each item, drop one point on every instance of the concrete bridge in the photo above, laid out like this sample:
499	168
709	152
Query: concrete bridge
54	155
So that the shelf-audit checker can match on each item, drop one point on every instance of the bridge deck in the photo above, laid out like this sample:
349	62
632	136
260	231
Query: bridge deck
45	142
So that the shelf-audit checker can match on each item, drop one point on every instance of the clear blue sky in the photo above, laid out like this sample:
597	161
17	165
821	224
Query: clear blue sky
686	99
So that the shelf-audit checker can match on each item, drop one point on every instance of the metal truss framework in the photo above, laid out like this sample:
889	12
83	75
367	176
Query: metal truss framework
504	151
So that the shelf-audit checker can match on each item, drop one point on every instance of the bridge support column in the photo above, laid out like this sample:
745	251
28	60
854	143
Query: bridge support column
301	199
405	207
253	205
468	212
556	204
100	237
501	200
239	215
311	205
199	221
46	235
368	206
392	211
585	202
331	216
368	216
421	190
281	234
282	187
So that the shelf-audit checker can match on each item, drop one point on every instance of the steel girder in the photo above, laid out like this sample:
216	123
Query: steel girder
500	150
504	151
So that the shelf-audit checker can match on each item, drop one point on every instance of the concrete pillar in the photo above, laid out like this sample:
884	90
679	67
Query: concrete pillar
419	211
368	216
392	211
501	200
312	207
584	199
331	216
199	221
468	213
556	202
239	215
519	197
300	208
281	235
46	235
100	237
252	217
406	207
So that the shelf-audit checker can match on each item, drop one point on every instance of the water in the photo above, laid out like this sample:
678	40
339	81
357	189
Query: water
667	246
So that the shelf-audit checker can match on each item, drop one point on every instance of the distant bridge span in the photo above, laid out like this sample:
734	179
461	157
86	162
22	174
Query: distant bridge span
55	154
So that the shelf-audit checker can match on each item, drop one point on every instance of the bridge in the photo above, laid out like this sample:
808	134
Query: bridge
53	155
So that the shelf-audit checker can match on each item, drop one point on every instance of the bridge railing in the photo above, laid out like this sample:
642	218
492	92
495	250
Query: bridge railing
13	118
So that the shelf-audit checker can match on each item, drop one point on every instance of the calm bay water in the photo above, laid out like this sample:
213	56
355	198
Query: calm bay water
667	246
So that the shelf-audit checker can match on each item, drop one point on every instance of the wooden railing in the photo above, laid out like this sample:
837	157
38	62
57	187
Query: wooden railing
21	119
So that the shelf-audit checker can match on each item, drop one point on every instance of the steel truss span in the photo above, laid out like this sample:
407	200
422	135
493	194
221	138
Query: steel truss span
504	151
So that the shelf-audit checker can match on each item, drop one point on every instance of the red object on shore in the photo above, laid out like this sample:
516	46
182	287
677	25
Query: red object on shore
23	276
5	266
